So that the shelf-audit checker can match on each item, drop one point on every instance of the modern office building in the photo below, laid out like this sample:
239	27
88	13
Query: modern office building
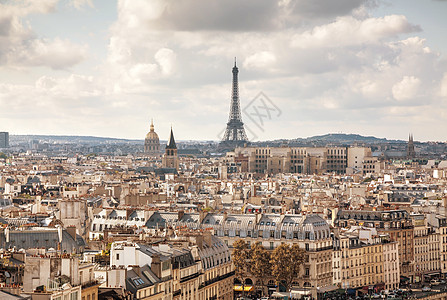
4	139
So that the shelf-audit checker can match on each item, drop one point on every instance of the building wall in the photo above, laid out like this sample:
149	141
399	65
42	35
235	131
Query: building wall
405	238
391	266
361	265
124	254
37	272
4	139
356	156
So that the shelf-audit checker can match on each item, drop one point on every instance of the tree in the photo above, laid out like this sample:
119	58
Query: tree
260	266
286	263
240	258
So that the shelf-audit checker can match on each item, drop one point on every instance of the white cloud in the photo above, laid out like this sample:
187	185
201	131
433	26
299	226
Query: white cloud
326	65
143	71
57	54
407	88
73	86
348	31
166	60
20	46
79	4
443	86
260	60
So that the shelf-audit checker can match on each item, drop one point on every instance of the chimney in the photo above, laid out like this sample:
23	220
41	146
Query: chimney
72	231
156	265
181	213
207	237
199	241
59	233
225	216
7	234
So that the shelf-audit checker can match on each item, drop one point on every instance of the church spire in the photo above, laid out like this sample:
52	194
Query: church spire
411	153
152	125
171	143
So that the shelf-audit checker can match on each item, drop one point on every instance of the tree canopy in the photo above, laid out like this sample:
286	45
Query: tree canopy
286	263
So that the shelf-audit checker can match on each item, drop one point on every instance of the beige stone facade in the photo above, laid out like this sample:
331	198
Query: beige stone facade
304	160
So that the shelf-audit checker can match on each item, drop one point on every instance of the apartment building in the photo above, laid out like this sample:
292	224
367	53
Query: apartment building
311	232
391	265
305	160
426	250
396	224
361	264
194	266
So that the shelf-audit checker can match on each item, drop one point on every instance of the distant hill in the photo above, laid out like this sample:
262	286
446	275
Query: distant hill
348	138
335	138
330	138
71	139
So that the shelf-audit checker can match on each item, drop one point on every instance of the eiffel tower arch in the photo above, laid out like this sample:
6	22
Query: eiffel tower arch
234	135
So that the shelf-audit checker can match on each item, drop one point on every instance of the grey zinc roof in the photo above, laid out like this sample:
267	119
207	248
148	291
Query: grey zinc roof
42	238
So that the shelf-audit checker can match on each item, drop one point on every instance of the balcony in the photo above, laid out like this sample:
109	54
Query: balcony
216	279
189	277
90	283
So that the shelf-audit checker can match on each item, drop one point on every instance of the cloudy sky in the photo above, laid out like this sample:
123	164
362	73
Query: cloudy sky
105	68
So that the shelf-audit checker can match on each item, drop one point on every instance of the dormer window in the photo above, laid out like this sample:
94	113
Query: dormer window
262	223
268	223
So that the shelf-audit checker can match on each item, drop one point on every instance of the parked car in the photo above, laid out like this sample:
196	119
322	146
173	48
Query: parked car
426	289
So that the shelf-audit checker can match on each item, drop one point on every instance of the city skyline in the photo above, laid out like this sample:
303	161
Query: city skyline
81	67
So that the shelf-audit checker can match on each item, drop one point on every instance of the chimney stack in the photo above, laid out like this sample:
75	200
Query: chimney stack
156	265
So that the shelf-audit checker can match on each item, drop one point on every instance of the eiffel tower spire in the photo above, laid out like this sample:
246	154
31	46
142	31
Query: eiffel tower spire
234	133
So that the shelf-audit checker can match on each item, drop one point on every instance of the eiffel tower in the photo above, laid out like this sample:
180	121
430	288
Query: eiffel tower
235	135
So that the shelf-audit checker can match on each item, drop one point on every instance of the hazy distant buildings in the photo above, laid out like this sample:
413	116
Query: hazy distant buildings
152	142
4	139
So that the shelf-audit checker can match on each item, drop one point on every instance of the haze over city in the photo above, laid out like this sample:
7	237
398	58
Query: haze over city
105	68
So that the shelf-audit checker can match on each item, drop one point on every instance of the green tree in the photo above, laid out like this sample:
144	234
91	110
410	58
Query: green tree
286	263
260	266
240	258
3	155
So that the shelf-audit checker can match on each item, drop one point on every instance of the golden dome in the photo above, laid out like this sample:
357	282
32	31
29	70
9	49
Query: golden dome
152	135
